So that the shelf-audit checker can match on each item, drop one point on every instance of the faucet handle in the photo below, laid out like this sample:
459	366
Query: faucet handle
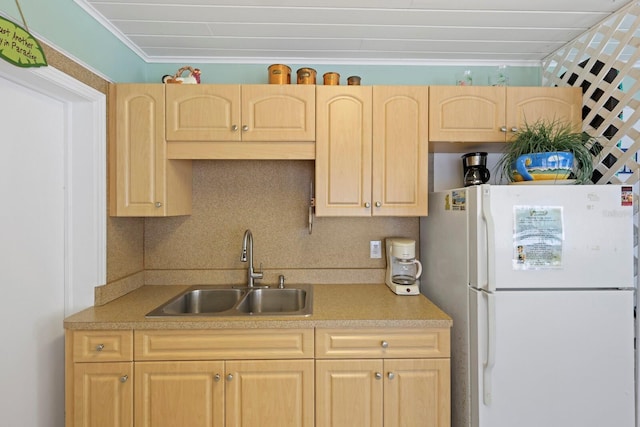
259	273
281	281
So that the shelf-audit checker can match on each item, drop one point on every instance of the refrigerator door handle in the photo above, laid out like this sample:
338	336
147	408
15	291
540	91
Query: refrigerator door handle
491	237
491	349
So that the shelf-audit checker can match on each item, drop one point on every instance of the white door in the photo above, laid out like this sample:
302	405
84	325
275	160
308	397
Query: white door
32	258
52	231
562	358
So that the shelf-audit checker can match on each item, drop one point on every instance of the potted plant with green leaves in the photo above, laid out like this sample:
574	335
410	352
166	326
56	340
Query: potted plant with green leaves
551	151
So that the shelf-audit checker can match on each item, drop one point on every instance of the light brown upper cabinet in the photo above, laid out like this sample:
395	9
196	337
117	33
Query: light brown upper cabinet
241	121
400	150
371	150
495	114
142	181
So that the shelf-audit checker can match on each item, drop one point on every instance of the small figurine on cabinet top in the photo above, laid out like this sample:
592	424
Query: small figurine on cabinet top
192	78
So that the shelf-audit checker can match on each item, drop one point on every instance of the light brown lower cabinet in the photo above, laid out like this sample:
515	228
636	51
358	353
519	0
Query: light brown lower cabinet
417	392
195	378
382	393
386	377
216	394
348	393
270	393
99	378
103	394
179	394
383	377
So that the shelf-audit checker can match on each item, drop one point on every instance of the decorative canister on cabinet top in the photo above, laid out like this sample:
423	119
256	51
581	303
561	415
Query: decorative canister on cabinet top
279	74
306	76
353	80
331	78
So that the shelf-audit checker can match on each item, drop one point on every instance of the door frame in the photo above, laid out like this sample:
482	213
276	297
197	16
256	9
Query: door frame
84	176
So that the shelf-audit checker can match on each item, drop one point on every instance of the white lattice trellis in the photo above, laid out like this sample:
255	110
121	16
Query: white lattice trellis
603	62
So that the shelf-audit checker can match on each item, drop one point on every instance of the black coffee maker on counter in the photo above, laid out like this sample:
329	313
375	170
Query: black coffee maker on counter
475	168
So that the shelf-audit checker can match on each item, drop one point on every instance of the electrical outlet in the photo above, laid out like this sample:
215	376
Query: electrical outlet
375	249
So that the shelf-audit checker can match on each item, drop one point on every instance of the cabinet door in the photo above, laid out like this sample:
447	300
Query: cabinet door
203	112
467	113
142	182
349	393
278	113
136	149
269	393
103	394
400	150
427	382
343	150
170	394
530	104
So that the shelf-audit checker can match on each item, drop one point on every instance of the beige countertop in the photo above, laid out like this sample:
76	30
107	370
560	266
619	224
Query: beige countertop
352	305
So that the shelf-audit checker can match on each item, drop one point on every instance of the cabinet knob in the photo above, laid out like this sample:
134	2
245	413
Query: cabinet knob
391	375
384	344
367	205
503	129
378	204
234	128
229	377
100	347
514	129
378	375
245	128
158	204
216	377
124	378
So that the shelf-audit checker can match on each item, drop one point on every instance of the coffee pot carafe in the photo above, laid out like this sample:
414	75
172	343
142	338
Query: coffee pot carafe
403	269
474	168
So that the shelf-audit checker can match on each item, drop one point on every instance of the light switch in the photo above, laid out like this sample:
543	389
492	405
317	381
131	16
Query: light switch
375	249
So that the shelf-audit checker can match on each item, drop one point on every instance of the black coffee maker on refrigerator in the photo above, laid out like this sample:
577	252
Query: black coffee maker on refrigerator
475	168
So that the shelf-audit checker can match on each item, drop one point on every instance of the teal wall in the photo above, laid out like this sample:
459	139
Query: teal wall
67	27
371	74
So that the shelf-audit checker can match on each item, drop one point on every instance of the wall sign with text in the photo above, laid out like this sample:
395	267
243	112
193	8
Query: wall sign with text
19	47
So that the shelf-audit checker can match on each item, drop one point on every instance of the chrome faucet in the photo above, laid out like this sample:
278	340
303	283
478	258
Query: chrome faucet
247	246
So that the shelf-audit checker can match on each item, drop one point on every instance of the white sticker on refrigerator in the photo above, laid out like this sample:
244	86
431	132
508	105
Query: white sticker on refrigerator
537	237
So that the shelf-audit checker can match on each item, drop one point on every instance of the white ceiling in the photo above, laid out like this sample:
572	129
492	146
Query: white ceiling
342	31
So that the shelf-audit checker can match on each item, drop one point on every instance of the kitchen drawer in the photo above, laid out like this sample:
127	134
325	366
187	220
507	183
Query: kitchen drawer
382	343
102	346
227	344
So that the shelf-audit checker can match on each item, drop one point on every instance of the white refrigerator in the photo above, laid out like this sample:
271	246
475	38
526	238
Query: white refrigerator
539	281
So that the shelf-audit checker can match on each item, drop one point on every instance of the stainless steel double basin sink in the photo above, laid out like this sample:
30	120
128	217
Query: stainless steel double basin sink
205	300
